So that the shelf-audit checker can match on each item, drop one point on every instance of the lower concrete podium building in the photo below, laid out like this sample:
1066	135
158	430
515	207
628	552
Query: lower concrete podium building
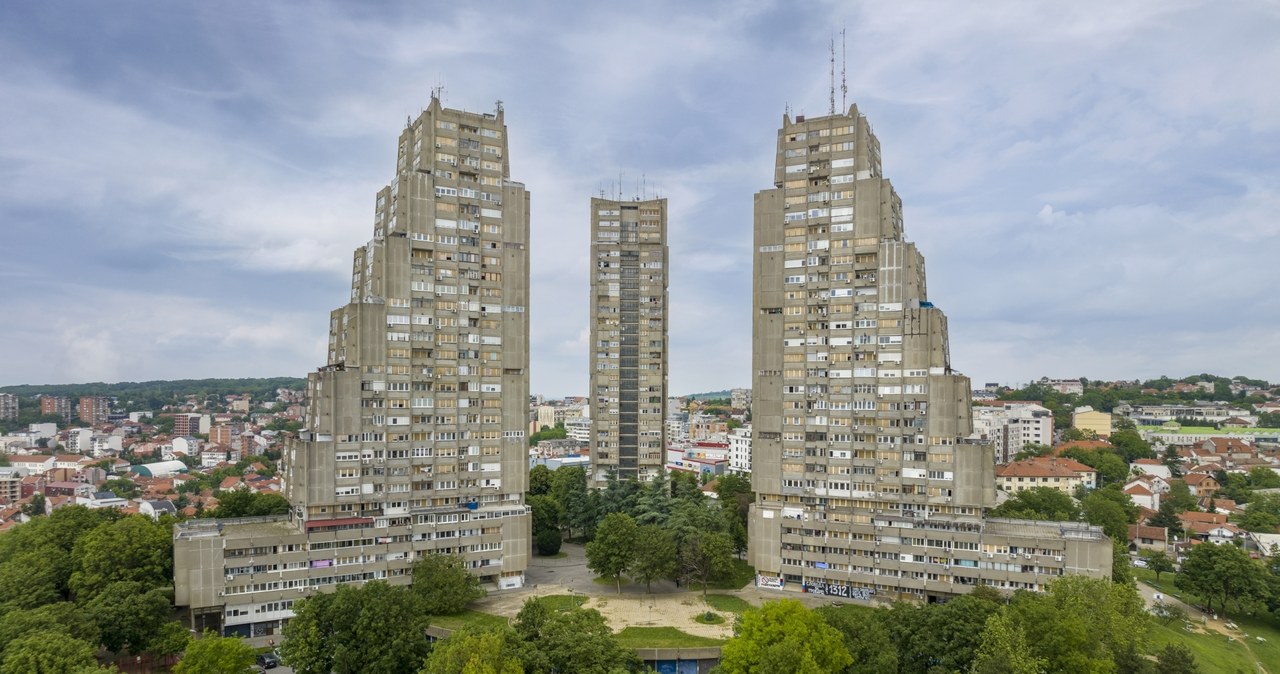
415	428
866	484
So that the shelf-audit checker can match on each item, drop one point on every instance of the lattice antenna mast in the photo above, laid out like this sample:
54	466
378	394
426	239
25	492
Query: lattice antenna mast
832	101
844	63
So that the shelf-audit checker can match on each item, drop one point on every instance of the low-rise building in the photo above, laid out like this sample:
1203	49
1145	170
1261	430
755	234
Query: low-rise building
1065	475
1090	420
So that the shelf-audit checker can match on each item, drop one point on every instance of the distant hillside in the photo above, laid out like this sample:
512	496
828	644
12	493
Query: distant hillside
180	388
709	395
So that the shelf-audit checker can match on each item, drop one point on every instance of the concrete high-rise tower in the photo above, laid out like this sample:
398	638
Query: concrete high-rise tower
415	426
865	483
628	338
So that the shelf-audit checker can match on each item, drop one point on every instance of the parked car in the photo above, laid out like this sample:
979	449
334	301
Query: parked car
268	661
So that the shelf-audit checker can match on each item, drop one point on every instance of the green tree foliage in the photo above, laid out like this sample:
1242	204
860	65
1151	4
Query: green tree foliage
36	558
865	637
1262	515
653	504
245	503
784	637
477	651
134	548
1003	649
941	637
654	555
1111	468
1082	624
374	629
444	585
1157	562
569	487
1111	509
1130	445
212	654
1167	516
1262	477
1033	450
1180	497
706	557
548	518
1038	503
128	615
548	433
48	653
122	487
1223	576
540	478
574	640
1176	659
612	551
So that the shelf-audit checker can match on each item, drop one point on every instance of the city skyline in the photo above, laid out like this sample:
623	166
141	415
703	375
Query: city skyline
1095	183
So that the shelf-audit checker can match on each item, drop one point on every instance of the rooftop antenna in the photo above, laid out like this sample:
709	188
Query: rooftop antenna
844	62
832	99
437	92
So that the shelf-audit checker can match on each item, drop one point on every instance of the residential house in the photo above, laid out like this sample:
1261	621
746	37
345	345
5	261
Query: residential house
1153	467
1143	537
1201	484
1065	475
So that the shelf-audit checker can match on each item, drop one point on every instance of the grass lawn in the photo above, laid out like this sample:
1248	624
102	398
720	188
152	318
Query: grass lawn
1213	651
562	602
727	603
662	637
466	618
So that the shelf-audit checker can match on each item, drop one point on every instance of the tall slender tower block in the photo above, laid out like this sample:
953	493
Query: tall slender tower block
628	338
865	483
415	427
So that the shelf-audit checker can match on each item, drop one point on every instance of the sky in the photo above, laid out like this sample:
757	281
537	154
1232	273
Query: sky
1095	185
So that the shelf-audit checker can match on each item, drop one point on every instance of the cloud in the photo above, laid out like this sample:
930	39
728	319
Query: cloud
1092	183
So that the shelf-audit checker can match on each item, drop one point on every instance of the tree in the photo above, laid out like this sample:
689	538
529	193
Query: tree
35	507
653	505
784	637
1110	509
569	487
865	637
1262	477
654	555
613	549
245	503
1082	624
212	654
941	637
1038	503
128	615
477	651
575	640
540	478
377	628
1130	445
122	487
444	585
1180	497
48	653
130	549
1032	450
1222	575
1167	516
1168	613
706	557
1004	649
1157	562
548	517
1176	659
